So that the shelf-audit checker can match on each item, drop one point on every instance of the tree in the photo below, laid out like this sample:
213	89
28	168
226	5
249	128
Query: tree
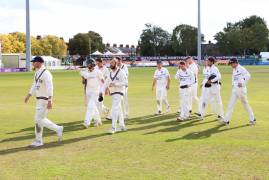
49	45
248	36
184	40
80	43
154	41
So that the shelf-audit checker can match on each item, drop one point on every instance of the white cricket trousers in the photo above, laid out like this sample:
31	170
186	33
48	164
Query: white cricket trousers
116	111
185	101
239	93
92	112
41	120
125	103
211	94
161	97
194	97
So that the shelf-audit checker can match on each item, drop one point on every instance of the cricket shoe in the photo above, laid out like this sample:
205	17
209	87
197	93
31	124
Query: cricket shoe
201	118
253	123
226	123
98	124
112	131
179	119
109	118
158	113
60	133
122	129
36	143
86	125
168	109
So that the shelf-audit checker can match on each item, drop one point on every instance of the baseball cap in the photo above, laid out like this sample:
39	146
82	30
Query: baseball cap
38	59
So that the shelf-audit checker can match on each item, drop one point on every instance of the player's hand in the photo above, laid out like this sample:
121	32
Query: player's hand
112	85
240	85
26	99
208	82
49	106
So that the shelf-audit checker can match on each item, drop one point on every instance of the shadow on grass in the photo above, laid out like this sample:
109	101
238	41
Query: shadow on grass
77	126
51	145
205	134
178	126
68	127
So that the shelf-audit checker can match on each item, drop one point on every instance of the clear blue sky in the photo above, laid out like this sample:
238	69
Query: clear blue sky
122	21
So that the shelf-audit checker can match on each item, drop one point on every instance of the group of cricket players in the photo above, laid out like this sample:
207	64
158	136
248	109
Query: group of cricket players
100	82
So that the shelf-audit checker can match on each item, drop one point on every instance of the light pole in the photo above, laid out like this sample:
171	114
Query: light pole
199	37
28	38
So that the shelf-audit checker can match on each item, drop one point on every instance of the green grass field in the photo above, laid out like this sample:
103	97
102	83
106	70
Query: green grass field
153	148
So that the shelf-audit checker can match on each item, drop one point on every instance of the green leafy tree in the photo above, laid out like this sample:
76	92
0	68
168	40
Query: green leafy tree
248	36
83	43
154	41
184	40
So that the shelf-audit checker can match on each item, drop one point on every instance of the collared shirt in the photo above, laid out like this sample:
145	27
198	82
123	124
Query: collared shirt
194	68
185	77
240	75
206	74
94	80
161	77
125	69
213	70
105	71
119	79
42	85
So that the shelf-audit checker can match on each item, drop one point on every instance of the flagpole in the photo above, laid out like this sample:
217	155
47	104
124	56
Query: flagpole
28	37
199	37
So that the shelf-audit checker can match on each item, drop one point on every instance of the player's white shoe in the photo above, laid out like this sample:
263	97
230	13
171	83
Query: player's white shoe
106	111
168	109
179	119
253	123
86	125
60	133
122	128
98	124
158	113
112	131
36	144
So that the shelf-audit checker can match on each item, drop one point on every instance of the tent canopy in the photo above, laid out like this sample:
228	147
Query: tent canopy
120	54
108	53
97	53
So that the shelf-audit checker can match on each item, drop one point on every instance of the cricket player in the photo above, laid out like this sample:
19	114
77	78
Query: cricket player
239	91
101	67
42	88
161	80
195	69
116	83
94	79
205	91
186	78
125	103
212	90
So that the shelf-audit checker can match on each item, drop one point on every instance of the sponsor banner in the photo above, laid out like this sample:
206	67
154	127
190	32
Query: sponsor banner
9	70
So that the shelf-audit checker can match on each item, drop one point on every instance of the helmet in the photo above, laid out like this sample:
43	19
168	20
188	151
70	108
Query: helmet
90	61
